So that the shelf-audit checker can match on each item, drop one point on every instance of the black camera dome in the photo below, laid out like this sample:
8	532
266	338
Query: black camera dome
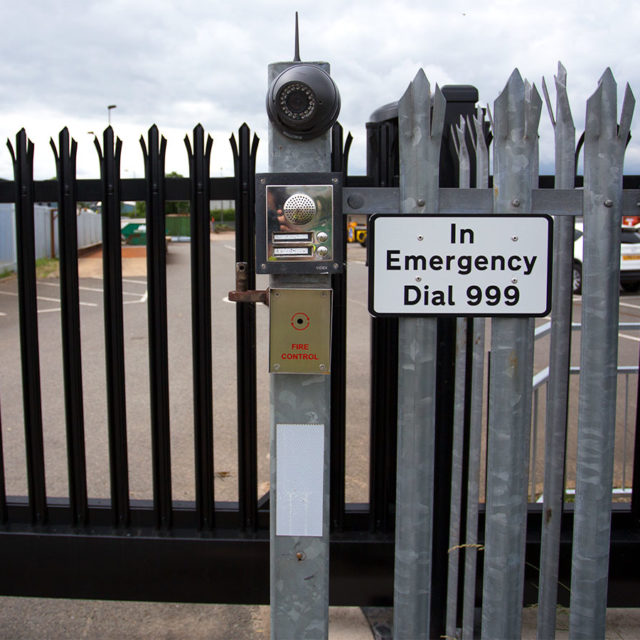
303	102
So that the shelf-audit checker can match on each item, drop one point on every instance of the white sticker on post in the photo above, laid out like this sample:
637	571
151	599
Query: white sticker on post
300	479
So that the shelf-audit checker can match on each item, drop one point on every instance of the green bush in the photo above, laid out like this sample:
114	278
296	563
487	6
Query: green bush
223	215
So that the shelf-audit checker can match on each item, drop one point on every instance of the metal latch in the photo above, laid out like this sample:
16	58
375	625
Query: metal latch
241	293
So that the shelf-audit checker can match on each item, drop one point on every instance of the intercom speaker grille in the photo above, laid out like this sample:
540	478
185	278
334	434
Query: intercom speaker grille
299	209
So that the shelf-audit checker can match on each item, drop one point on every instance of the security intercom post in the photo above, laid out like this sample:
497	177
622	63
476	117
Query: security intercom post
298	245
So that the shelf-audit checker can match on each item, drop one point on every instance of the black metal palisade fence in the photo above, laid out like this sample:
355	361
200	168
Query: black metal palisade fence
118	548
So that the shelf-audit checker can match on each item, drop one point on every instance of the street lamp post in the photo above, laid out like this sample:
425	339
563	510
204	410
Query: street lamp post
111	106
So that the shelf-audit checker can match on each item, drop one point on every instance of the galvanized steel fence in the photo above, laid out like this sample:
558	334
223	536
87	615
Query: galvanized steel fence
488	549
516	116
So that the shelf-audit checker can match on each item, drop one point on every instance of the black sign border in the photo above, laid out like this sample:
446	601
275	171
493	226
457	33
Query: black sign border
370	262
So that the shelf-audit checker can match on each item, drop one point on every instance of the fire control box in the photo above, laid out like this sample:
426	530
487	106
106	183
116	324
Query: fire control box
299	227
300	331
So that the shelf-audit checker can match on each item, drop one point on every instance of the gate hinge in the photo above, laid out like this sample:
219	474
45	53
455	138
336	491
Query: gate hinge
241	293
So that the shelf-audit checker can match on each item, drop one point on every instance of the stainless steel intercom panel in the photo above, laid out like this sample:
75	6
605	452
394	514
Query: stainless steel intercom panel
299	223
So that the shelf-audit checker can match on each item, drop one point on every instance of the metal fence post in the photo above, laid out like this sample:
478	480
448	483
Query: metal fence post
154	157
28	314
458	135
65	157
475	422
299	591
604	148
420	139
109	156
244	156
559	360
517	114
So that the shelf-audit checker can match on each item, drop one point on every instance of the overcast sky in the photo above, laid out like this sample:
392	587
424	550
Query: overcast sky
177	64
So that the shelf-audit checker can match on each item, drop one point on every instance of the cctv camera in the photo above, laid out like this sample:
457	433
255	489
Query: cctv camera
303	102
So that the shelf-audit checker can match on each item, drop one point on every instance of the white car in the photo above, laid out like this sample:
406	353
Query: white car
629	258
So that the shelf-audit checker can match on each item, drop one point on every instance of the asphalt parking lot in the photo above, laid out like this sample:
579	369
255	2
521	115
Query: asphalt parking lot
180	359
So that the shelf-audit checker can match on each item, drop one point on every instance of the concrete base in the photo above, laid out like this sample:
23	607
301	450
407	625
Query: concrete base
31	618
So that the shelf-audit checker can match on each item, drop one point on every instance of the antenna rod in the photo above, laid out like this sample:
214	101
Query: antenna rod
296	56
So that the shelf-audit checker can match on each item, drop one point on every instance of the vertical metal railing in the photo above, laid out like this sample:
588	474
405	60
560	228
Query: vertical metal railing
542	381
199	163
337	458
421	122
109	156
154	157
384	367
457	463
559	359
244	156
458	136
467	413
605	143
475	381
70	321
635	482
22	158
3	489
516	116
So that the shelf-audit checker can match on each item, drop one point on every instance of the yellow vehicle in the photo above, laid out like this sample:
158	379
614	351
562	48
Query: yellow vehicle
357	232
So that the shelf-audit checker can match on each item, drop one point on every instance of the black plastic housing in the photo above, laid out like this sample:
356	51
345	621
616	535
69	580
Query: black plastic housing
303	102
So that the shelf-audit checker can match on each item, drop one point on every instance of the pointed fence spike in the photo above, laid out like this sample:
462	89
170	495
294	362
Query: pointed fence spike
187	143
533	111
439	109
473	132
547	100
491	122
563	109
52	144
562	74
628	106
454	138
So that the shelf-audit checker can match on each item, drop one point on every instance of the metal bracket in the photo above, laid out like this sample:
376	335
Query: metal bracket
241	293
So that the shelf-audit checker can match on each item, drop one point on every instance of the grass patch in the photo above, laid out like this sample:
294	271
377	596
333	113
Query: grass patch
47	268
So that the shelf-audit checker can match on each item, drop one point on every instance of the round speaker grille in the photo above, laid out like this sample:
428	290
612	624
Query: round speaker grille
299	209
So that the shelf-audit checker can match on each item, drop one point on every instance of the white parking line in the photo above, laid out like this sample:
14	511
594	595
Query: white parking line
15	295
95	290
628	337
143	298
630	306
